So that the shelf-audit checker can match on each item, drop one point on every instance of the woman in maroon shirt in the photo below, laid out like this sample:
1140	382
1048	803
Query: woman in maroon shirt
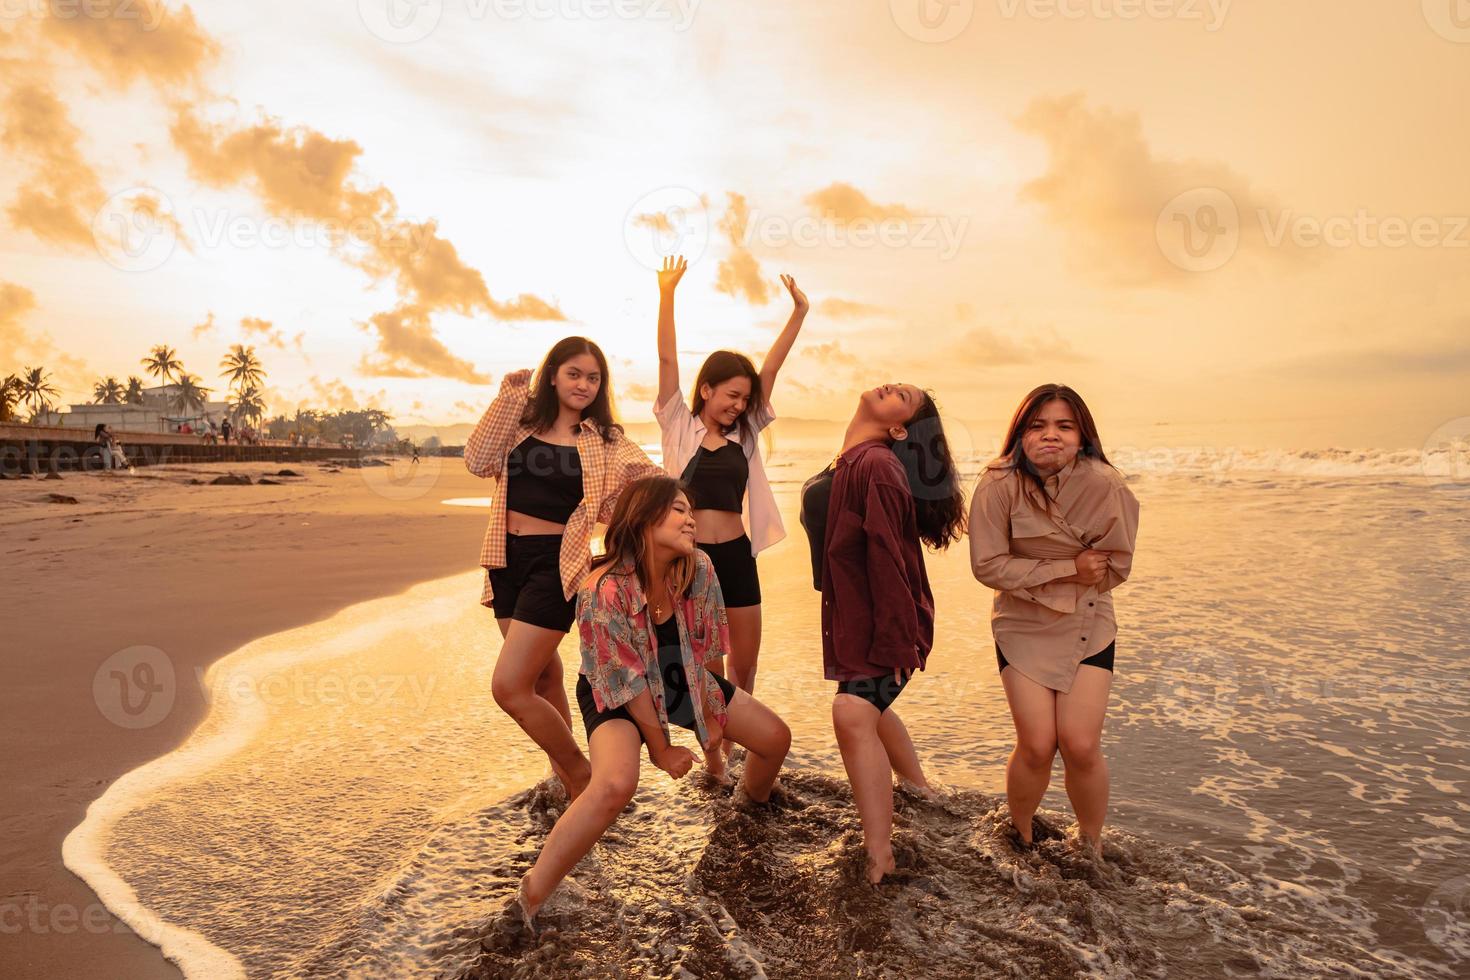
893	485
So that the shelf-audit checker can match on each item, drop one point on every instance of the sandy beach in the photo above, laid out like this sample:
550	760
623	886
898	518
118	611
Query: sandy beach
195	571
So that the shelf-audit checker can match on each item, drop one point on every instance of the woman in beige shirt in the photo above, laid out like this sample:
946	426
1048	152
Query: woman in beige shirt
1052	530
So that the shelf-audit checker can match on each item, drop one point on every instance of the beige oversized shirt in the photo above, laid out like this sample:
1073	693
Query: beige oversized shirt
1020	548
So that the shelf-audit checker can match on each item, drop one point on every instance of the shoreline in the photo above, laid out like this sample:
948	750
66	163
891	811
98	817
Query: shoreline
148	566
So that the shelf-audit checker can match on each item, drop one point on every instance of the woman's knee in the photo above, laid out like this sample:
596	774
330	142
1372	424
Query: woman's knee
1080	750
852	715
1036	753
509	694
613	791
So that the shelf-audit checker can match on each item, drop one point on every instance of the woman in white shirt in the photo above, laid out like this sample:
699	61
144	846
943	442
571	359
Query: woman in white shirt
712	444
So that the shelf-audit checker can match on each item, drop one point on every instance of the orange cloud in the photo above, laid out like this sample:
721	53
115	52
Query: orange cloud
739	274
844	203
264	329
407	348
129	40
57	202
207	327
846	308
35	348
1107	190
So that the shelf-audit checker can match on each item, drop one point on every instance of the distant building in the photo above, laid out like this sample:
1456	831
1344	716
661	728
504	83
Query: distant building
156	414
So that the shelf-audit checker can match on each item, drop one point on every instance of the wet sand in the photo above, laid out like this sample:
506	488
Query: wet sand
192	570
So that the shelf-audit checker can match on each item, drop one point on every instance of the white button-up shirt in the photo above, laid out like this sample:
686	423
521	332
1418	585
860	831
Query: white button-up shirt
683	433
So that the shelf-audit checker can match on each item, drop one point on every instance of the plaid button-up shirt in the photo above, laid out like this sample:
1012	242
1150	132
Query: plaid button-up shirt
607	467
620	644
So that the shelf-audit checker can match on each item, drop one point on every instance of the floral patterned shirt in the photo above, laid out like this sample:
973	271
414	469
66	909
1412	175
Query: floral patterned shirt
620	644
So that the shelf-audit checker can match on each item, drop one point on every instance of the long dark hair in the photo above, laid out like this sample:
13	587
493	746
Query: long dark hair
1013	457
642	504
933	477
720	367
544	407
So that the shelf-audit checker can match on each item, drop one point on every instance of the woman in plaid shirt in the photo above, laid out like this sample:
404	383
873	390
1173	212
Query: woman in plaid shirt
560	461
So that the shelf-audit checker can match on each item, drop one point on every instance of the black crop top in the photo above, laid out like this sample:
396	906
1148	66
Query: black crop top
543	480
717	477
816	499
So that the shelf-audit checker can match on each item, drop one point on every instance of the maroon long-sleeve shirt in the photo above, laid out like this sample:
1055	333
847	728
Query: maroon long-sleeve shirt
877	609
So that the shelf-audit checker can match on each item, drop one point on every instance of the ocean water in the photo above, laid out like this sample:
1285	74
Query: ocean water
1288	739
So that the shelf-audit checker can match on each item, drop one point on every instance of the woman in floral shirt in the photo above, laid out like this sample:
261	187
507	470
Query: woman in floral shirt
651	616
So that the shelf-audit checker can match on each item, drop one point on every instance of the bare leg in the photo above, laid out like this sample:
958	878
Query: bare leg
553	689
745	645
615	746
1028	773
855	722
766	739
900	749
523	658
1080	714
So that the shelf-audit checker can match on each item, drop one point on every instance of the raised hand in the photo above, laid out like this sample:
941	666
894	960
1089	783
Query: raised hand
521	377
671	273
798	298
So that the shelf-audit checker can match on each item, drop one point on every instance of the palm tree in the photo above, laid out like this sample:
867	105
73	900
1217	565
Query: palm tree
37	390
242	367
135	391
163	363
247	404
108	392
12	390
190	397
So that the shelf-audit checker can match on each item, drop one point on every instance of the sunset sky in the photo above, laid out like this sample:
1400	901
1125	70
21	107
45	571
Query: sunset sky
977	196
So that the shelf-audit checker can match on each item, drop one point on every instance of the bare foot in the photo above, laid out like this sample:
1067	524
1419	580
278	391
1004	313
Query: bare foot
924	792
528	906
879	865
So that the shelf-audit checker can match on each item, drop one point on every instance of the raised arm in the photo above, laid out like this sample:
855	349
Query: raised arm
776	356
668	342
488	444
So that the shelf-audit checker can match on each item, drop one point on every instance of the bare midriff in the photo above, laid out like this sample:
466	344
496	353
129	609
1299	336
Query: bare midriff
717	526
516	523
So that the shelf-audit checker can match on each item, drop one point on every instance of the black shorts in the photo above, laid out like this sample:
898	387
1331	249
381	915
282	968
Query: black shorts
676	702
735	568
880	691
529	588
1103	658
